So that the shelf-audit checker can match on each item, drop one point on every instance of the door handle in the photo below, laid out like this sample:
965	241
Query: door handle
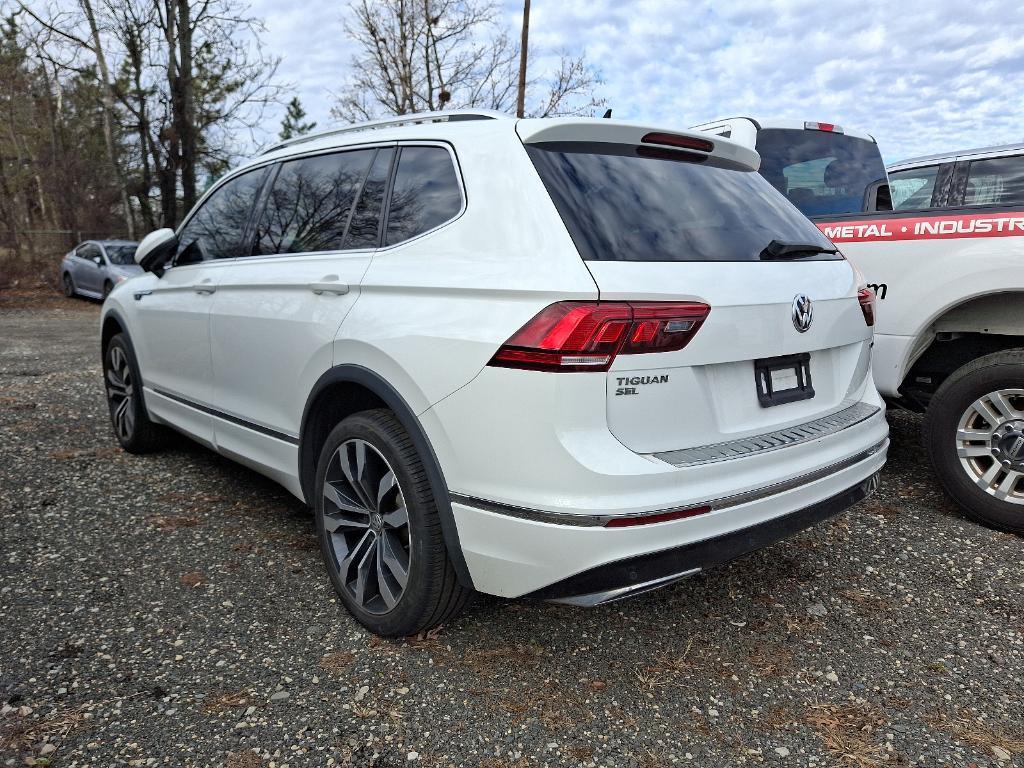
140	294
205	288
338	289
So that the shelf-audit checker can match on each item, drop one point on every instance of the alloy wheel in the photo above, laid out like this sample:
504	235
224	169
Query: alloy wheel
120	392
367	525
990	444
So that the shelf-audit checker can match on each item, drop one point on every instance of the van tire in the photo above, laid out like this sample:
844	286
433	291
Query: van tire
952	405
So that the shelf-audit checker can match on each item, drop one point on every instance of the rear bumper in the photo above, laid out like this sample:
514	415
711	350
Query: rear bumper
635	575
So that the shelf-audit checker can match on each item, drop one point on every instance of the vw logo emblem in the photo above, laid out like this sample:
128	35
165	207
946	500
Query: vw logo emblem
803	312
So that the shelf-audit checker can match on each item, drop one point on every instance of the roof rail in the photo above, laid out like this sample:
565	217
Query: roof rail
446	116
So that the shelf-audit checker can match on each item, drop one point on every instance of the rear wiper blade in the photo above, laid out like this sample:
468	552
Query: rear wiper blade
777	250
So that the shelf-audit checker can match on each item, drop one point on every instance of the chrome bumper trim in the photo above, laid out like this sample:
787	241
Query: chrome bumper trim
824	426
723	502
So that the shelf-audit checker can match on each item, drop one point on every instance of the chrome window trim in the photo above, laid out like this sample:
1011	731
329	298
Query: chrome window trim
718	504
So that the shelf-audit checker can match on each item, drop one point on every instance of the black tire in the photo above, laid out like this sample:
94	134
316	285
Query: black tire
432	594
978	379
68	285
107	288
122	382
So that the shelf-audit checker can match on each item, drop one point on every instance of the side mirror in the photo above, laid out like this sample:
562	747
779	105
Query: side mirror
878	197
155	250
97	261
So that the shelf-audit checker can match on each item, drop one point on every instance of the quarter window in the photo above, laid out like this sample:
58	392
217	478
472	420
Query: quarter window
426	193
309	205
217	230
996	181
913	189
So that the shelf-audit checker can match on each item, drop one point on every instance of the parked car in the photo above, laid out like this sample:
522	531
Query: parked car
93	268
588	374
948	267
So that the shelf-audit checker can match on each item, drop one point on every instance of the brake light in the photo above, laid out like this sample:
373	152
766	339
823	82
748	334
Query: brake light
674	140
866	297
586	336
827	127
659	517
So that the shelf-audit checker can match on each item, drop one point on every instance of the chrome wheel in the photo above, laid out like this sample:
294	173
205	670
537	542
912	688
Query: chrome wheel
990	444
367	526
120	392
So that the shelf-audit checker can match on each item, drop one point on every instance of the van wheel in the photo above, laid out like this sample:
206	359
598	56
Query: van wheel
379	530
68	285
132	426
974	432
107	288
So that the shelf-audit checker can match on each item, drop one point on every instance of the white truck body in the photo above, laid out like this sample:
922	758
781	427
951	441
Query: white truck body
942	245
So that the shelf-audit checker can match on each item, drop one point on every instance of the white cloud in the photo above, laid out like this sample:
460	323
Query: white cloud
920	76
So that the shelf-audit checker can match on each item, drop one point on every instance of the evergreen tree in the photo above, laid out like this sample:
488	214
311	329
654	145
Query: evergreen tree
292	124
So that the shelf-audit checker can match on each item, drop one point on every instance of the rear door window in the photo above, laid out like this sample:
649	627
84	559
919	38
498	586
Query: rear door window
913	189
310	203
425	195
218	229
619	203
996	181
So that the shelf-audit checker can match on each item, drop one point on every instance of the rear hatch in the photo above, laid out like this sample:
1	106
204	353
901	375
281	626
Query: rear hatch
697	224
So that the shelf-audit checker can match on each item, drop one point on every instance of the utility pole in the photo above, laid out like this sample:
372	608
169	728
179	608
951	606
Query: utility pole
523	47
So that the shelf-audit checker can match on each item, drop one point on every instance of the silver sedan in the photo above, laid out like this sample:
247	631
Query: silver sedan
93	268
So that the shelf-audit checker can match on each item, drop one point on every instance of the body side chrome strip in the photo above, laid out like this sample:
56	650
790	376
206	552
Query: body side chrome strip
723	502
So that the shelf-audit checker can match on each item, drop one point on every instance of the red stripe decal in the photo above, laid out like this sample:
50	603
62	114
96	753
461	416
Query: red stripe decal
925	228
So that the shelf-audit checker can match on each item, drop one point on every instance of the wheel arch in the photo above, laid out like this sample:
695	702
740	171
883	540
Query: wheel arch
976	326
347	389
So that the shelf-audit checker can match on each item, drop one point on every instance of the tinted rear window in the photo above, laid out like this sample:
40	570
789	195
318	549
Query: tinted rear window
821	173
996	181
621	206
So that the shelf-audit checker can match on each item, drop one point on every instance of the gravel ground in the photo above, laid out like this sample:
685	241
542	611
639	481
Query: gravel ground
172	610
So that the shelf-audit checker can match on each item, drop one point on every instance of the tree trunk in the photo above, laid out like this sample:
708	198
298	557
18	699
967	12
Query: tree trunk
108	118
187	117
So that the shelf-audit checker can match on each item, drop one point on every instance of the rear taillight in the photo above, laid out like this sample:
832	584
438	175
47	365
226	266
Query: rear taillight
586	336
866	297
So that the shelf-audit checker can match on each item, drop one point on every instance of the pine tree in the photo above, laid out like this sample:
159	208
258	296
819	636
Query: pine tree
292	124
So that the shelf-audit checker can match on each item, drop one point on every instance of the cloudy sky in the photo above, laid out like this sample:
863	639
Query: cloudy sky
921	77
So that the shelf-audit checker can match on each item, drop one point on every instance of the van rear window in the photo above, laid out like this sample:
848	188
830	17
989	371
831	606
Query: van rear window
620	203
822	173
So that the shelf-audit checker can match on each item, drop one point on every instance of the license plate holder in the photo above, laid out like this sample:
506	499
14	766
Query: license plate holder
784	379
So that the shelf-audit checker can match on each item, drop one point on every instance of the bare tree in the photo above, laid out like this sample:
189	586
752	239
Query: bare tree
65	26
429	55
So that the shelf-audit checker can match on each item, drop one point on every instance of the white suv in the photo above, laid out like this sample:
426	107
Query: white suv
568	359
